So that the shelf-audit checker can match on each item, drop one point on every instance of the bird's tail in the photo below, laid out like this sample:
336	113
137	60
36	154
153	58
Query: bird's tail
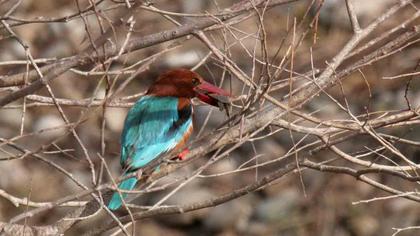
116	200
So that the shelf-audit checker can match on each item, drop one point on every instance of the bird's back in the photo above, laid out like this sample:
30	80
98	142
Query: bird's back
153	126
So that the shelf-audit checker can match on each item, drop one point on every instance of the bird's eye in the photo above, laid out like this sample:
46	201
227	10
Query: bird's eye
196	81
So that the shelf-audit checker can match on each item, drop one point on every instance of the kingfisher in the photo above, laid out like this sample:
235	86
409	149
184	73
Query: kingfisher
161	122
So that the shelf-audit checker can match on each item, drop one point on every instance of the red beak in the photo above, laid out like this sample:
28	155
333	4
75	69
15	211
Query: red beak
211	94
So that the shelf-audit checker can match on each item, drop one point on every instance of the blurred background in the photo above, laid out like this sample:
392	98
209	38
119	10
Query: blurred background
310	203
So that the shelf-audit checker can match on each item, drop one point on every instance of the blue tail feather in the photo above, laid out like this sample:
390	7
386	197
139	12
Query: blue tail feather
116	200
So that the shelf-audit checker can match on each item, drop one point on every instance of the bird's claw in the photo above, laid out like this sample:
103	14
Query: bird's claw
182	156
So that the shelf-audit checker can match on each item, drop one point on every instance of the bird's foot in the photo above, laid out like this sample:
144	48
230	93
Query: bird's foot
182	155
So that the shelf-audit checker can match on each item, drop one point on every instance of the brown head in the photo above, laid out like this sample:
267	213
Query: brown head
184	83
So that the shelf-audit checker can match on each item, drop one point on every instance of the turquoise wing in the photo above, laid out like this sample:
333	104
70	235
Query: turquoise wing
153	126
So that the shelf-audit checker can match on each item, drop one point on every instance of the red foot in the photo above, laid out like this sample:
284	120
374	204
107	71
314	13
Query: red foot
182	155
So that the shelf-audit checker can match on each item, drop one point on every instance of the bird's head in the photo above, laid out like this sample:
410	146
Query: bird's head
187	84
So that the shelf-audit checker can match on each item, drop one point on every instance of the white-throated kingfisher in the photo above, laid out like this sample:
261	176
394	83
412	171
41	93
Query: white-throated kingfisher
161	122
